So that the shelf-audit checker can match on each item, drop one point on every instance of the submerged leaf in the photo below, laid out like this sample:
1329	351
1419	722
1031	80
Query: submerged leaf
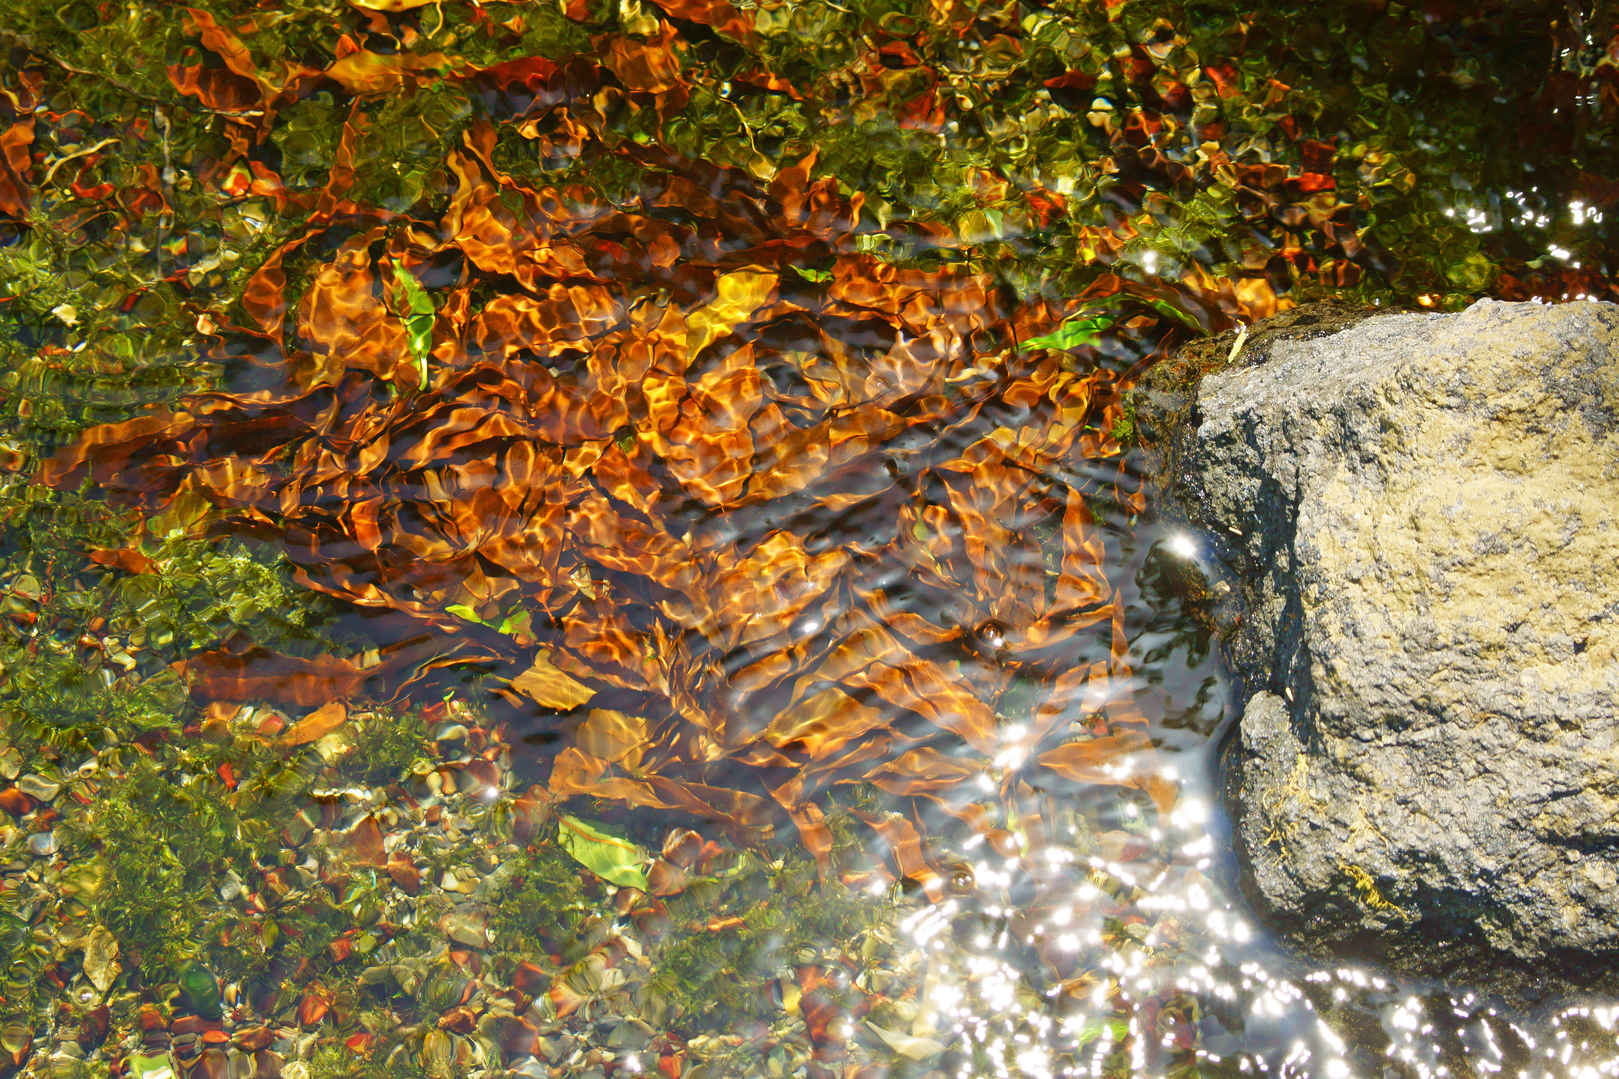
201	990
101	964
910	1046
418	318
317	724
546	685
150	1066
612	858
1077	331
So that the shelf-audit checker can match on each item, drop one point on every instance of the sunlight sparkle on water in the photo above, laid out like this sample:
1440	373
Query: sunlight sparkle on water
989	997
1182	545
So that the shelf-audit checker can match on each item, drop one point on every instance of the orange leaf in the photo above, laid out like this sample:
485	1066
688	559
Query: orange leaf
549	687
317	724
125	558
1102	759
15	162
644	65
613	737
364	842
366	72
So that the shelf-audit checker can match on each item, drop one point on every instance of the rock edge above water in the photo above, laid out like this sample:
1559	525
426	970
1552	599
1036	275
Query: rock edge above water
1421	515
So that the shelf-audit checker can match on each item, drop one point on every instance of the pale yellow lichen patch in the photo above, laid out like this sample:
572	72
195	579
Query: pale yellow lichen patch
1296	791
1367	889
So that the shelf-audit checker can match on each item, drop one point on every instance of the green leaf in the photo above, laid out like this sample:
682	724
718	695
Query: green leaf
519	621
1170	311
416	296
1080	330
461	610
154	1066
516	622
418	319
1089	323
610	857
817	276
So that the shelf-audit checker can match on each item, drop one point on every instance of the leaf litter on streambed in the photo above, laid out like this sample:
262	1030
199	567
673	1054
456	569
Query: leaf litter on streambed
618	504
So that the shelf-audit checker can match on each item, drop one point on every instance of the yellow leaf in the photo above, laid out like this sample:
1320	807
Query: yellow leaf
613	737
367	72
544	684
739	294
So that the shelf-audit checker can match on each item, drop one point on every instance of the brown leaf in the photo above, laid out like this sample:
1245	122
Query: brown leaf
1101	759
260	675
613	738
364	842
404	873
366	72
718	14
904	845
390	6
644	65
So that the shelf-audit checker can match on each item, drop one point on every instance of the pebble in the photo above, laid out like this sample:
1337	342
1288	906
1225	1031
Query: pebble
37	786
629	1034
43	844
62	1062
153	1066
466	927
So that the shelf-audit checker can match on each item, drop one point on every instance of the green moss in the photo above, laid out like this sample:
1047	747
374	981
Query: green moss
86	651
158	847
738	930
544	906
208	591
388	1060
1124	424
387	744
27	939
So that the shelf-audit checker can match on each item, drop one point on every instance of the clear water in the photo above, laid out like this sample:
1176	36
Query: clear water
318	760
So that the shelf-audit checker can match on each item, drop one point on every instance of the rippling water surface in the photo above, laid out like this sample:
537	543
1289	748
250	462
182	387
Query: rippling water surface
599	539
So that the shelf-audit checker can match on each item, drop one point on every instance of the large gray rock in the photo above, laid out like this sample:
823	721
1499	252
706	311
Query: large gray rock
1422	512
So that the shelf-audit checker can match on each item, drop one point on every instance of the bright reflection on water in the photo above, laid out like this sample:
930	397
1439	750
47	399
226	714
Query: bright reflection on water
1167	972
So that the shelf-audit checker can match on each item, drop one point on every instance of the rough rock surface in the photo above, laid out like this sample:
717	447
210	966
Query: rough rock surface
1422	513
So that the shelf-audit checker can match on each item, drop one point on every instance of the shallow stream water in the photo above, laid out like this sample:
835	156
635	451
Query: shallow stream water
610	538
